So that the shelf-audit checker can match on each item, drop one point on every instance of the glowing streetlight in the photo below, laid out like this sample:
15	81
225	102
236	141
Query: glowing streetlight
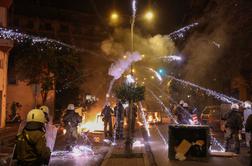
114	17
149	15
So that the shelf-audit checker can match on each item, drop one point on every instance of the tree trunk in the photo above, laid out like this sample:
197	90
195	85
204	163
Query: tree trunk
129	140
44	96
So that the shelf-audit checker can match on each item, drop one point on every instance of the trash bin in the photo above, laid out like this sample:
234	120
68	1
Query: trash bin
190	142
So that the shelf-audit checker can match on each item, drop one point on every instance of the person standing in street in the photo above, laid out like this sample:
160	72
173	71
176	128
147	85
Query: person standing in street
31	146
246	113
180	113
233	127
248	128
134	116
107	119
71	119
119	114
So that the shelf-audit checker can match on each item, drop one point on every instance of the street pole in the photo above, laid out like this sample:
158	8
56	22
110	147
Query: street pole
132	41
129	141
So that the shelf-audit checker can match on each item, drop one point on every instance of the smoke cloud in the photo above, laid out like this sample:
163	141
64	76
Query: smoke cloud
206	48
151	47
118	68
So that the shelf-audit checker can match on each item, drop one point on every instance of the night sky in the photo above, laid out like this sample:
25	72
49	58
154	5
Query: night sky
170	14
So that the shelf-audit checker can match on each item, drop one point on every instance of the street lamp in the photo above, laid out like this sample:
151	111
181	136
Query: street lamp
114	16
149	15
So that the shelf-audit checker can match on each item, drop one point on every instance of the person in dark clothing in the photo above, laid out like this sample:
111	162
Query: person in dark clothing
248	128
134	113
232	127
31	146
107	119
181	112
70	121
119	114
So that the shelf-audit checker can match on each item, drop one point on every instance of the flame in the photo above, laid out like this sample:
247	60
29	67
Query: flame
154	118
91	125
140	123
150	118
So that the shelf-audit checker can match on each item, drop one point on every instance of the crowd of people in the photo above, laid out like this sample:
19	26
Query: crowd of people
237	120
119	111
31	146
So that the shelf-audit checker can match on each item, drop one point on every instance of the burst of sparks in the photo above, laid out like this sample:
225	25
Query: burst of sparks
156	74
178	34
134	8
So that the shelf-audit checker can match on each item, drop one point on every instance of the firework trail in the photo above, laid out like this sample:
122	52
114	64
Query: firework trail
178	34
21	37
167	110
156	74
216	95
171	58
216	146
146	125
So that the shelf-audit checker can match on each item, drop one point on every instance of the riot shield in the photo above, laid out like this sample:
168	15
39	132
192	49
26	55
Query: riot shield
51	133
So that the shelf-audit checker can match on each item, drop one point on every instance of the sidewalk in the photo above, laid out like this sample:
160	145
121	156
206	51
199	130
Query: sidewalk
7	141
116	157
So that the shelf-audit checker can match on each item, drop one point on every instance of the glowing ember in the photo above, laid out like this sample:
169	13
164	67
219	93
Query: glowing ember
64	131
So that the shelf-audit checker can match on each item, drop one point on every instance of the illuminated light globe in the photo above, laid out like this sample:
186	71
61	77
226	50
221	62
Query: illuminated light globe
149	16
114	16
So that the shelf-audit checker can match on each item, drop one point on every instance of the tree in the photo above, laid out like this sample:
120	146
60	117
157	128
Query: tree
45	64
130	93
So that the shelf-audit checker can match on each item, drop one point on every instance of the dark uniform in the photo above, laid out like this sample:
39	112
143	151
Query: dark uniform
233	126
31	149
107	119
134	113
119	114
181	115
71	120
248	127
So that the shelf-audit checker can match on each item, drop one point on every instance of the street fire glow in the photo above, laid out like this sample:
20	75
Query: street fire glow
95	124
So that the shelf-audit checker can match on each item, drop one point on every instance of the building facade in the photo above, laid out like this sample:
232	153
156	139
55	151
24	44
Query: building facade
5	47
73	28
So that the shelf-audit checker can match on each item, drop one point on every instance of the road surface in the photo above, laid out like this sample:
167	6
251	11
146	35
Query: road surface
159	146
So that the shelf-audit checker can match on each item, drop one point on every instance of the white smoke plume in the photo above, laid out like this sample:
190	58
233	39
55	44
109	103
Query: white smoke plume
118	68
152	47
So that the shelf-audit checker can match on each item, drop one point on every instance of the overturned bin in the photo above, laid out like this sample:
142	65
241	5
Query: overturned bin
188	142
